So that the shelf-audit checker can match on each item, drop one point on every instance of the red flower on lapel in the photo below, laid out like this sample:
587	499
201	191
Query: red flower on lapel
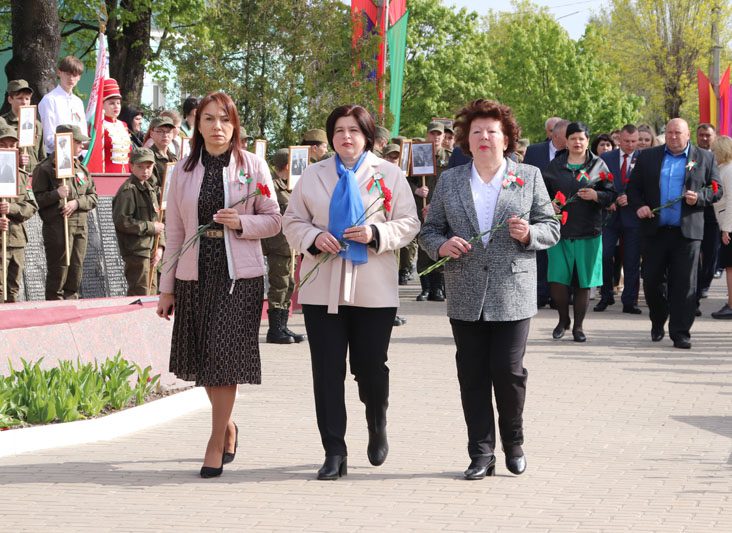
715	187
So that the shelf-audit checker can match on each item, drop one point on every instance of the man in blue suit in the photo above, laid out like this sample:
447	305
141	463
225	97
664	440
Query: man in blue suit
540	155
621	222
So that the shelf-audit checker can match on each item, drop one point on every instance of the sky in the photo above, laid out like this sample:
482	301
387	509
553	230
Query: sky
572	14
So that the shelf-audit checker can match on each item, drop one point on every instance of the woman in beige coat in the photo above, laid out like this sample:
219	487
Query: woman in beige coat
351	298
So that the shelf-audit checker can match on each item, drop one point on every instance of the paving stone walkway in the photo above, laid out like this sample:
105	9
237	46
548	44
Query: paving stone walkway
622	435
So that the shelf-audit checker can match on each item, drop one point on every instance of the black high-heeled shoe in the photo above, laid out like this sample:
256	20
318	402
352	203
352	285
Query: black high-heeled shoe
208	472
378	447
228	456
516	465
480	467
559	331
335	466
578	335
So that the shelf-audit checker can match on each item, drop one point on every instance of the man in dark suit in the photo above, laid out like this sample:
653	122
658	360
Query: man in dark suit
540	155
671	236
621	222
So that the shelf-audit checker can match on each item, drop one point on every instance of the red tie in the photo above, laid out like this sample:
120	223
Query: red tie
624	169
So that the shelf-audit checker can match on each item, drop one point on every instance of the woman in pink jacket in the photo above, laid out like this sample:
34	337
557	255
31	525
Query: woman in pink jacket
215	286
351	300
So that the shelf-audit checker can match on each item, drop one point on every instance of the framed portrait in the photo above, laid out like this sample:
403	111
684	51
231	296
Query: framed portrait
8	173
64	155
405	156
423	159
165	185
260	148
299	160
27	126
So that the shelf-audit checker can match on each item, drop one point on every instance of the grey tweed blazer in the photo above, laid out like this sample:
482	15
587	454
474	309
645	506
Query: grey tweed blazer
499	279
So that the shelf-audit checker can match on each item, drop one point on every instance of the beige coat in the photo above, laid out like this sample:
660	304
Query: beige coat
723	208
338	282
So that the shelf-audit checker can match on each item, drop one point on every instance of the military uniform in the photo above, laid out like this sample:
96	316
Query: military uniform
279	257
21	209
161	160
135	210
63	282
37	153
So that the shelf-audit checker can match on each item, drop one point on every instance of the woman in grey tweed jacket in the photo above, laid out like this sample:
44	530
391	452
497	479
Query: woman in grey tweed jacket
491	283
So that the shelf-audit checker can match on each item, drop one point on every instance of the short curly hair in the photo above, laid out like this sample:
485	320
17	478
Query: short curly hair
482	108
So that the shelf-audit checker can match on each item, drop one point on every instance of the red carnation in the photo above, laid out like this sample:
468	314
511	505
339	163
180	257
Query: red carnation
387	198
263	190
715	187
565	216
559	198
519	181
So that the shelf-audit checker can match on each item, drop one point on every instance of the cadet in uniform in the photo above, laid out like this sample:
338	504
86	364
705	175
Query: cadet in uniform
433	283
162	131
381	140
135	211
19	94
63	282
280	262
317	140
17	211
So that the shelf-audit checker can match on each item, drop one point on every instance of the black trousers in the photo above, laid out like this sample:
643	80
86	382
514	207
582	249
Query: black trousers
364	334
670	264
631	263
490	355
709	251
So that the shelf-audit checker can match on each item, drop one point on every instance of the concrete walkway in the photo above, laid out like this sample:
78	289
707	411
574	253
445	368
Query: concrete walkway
622	435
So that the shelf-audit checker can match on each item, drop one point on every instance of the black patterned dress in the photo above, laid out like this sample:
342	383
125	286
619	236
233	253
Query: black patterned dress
216	330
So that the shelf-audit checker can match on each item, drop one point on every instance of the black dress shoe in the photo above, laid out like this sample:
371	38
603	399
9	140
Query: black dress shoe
601	306
682	343
516	465
657	334
578	335
559	331
632	309
399	321
698	312
437	295
422	296
335	466
723	314
480	467
378	447
229	456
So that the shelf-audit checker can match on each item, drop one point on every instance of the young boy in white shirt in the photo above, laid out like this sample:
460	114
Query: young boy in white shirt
62	106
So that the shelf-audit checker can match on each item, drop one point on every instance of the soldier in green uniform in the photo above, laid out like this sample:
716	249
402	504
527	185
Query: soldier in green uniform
432	284
135	211
19	94
16	211
448	142
280	263
317	140
381	140
162	130
63	282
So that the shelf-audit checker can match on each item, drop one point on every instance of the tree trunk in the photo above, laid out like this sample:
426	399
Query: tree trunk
36	42
129	48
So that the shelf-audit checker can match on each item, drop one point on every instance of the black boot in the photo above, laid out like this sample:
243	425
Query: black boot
378	447
437	292
275	333
425	282
297	337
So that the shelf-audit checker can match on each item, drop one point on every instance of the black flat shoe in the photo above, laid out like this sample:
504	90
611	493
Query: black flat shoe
632	310
559	331
579	335
480	467
601	306
228	456
335	466
422	296
657	334
378	447
516	465
684	344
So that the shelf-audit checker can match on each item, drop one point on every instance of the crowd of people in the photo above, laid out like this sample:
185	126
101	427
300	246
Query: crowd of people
502	227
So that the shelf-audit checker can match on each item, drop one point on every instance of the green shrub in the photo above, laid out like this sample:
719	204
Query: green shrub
71	392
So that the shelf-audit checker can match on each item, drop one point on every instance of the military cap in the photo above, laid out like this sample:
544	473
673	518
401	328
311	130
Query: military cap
448	128
161	121
418	139
15	86
142	155
436	126
390	148
72	128
315	135
280	158
7	131
398	139
382	133
244	136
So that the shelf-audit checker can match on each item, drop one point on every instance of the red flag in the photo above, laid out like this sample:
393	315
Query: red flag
724	104
95	156
703	86
397	8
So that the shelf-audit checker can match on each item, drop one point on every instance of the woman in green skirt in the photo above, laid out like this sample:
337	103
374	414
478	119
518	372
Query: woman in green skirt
576	261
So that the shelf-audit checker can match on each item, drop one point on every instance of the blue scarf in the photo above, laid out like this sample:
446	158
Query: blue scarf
346	209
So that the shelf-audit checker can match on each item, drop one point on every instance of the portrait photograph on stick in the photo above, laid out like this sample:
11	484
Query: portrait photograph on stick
8	173
64	156
405	156
165	185
260	148
423	159
27	130
299	159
